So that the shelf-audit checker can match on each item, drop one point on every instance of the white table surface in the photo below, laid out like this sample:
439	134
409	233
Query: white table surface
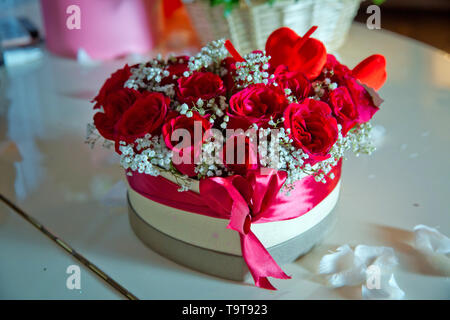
48	171
33	267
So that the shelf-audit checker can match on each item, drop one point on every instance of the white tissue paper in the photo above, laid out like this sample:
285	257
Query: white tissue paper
429	240
370	266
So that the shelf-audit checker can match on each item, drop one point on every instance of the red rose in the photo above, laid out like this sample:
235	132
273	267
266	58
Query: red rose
146	115
204	85
256	104
240	155
176	67
343	108
293	80
114	83
169	129
339	70
361	98
313	128
114	106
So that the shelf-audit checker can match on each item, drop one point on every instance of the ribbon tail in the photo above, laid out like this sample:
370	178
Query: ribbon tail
259	261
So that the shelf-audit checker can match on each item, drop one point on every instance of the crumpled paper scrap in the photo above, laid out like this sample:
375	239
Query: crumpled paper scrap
367	265
429	240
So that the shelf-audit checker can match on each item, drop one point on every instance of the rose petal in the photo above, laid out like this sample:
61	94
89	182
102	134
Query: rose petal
388	289
344	267
377	100
429	240
379	256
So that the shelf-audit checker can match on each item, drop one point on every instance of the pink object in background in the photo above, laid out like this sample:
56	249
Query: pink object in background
108	28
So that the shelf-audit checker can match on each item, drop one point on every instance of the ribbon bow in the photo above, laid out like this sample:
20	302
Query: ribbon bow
245	201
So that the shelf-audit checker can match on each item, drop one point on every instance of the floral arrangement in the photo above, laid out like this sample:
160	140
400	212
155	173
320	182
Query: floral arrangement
291	108
244	128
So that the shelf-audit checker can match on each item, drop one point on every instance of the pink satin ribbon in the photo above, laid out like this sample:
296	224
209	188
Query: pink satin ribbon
243	201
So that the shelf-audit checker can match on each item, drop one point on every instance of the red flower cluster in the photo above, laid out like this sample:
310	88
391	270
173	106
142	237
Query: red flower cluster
309	93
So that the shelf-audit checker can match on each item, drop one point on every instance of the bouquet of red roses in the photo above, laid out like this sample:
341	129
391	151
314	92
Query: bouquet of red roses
293	108
242	128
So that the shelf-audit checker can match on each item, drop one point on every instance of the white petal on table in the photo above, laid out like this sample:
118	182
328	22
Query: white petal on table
383	257
388	289
429	240
343	267
367	265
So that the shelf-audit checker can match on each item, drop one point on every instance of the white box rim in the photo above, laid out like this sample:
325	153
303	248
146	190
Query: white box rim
211	233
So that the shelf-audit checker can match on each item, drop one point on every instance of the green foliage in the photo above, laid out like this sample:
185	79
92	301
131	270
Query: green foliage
228	4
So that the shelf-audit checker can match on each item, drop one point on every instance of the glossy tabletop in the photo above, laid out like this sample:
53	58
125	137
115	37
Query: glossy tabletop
77	193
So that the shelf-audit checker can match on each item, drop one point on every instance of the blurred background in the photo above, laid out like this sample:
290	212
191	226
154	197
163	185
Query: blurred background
424	20
110	29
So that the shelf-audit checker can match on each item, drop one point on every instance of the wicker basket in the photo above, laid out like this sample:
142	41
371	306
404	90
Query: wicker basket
249	25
